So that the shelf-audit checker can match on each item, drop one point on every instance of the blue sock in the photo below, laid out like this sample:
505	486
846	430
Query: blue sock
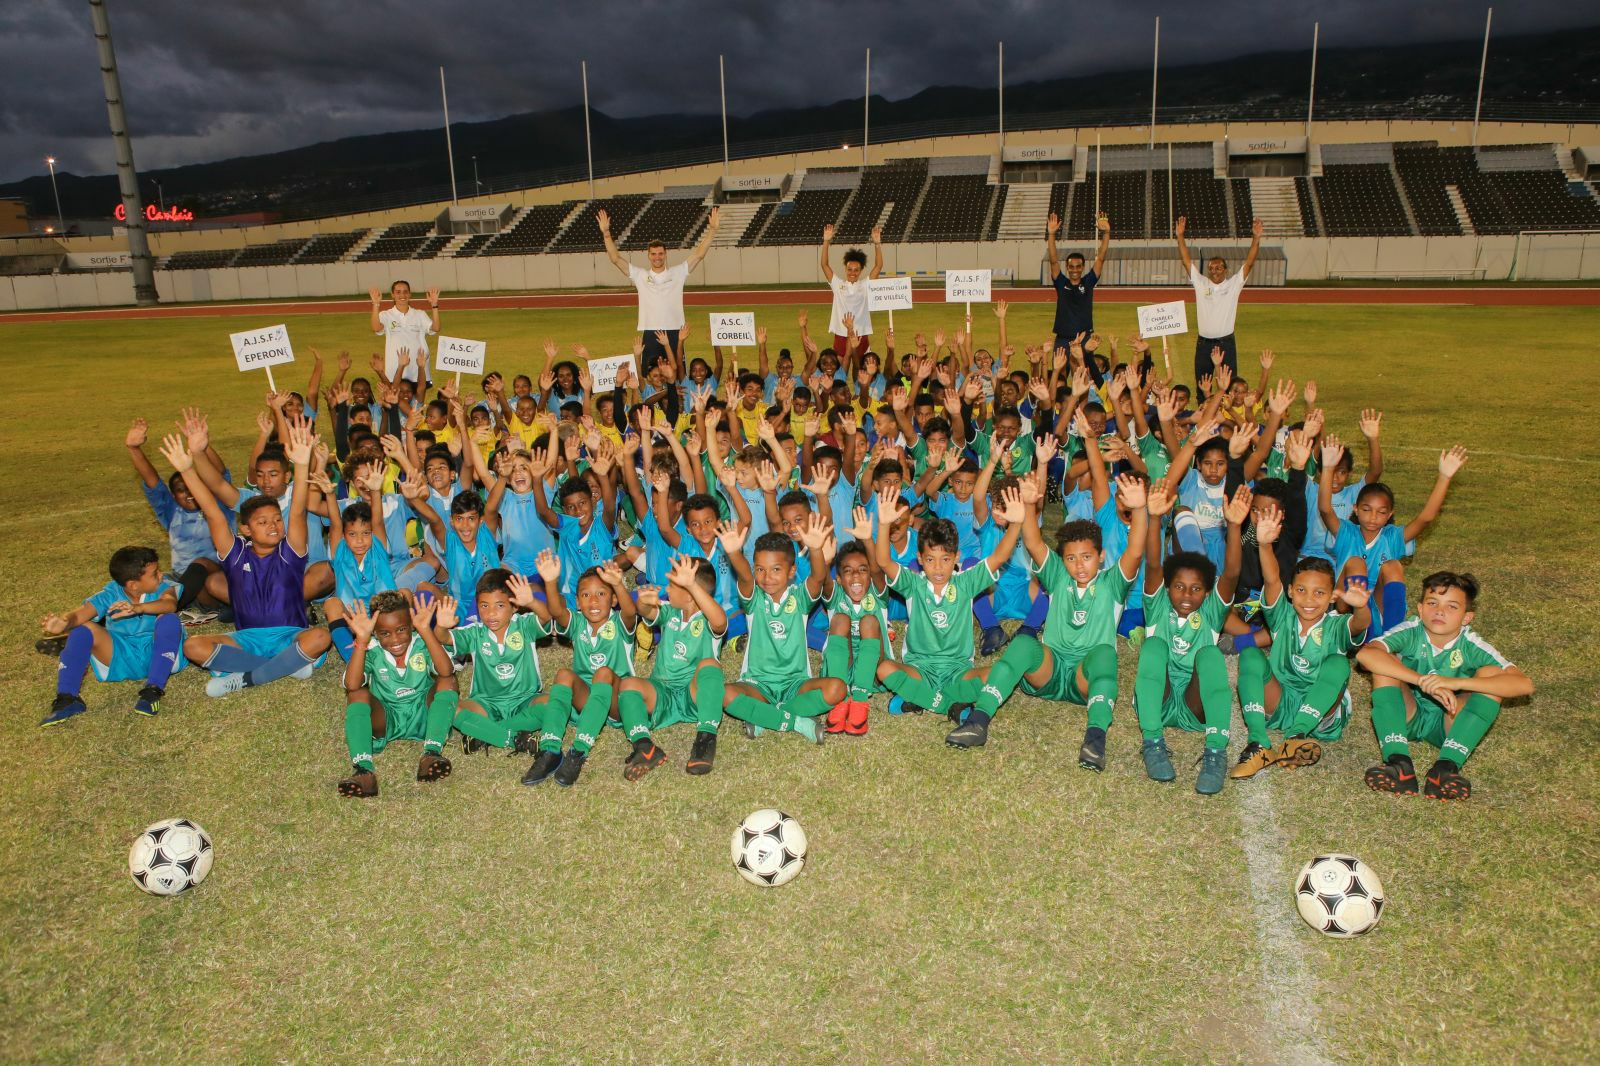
983	611
1186	531
817	631
1394	607
1037	612
232	659
343	641
736	625
74	660
165	647
282	664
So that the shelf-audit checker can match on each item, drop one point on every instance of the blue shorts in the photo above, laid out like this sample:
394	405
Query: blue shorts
414	574
268	641
130	660
1132	618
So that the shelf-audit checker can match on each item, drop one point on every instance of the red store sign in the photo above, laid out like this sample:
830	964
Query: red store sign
155	214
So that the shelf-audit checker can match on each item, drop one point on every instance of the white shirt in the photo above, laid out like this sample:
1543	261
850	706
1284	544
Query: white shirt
410	331
1216	304
850	299
660	296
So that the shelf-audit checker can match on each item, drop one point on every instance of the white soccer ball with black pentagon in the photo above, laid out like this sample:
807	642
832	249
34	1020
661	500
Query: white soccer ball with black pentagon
170	856
769	848
1339	895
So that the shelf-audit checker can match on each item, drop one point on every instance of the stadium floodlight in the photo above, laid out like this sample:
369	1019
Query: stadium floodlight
1311	94
1155	72
449	148
139	262
50	161
866	112
1483	68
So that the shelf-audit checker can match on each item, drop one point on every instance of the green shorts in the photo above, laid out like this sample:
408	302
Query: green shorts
779	692
673	705
500	710
1062	685
1428	724
405	720
1333	722
1175	712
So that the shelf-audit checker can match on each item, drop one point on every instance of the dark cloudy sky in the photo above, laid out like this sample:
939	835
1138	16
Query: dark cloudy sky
208	79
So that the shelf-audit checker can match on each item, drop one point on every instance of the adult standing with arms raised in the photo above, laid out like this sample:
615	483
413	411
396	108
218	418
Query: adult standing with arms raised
660	287
1074	285
851	296
1216	301
404	327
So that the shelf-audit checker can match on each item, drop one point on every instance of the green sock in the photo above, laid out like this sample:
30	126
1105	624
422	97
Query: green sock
635	716
358	734
1389	721
482	727
1332	676
864	676
1253	672
710	686
759	713
836	657
1023	655
557	713
1466	732
807	704
1216	698
913	690
1150	686
592	718
1100	672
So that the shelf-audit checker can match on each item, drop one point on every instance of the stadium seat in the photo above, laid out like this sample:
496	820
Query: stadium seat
897	182
955	208
583	235
1361	200
809	211
666	220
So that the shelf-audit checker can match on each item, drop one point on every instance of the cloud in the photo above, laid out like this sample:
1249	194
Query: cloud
206	81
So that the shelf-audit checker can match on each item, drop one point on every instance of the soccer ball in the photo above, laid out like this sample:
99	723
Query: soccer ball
1339	895
769	848
169	857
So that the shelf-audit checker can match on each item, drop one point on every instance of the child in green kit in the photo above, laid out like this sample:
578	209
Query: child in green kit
505	667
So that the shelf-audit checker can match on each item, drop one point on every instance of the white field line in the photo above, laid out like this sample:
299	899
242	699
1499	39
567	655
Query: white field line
39	516
1562	459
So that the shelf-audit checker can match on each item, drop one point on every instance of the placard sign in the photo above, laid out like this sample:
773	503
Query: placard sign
732	329
262	349
889	294
458	355
966	286
1163	320
603	372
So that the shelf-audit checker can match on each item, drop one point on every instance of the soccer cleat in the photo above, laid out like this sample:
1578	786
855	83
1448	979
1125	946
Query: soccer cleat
1213	771
62	708
472	745
1092	755
994	638
1397	775
808	728
314	613
737	645
361	784
646	757
432	766
752	731
1158	761
837	715
305	672
225	685
1252	760
896	705
703	754
969	734
1026	631
149	701
197	616
51	646
855	723
566	774
1446	783
957	712
1298	751
645	638
542	768
524	743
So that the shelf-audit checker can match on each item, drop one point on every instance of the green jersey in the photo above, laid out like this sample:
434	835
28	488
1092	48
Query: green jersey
505	674
1184	636
1296	657
939	634
775	653
686	639
394	684
1018	458
872	605
1463	656
609	644
1080	618
1154	454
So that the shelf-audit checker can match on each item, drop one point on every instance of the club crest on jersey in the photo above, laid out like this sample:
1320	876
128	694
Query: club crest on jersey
697	627
418	662
1194	620
680	649
1300	663
607	631
1456	659
939	619
789	606
514	641
869	603
597	659
1316	635
776	628
1079	617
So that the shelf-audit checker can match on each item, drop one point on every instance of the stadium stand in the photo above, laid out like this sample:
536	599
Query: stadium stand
431	247
1425	173
473	244
583	233
1121	198
955	208
1243	209
898	182
1308	207
1198	196
279	253
997	207
668	219
202	260
1520	187
529	235
757	223
1361	200
329	247
399	241
1060	198
807	213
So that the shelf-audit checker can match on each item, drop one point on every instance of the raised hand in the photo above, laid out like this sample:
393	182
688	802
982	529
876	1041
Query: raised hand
1243	437
521	591
1451	461
422	614
1205	432
1159	498
1332	450
1311	394
681	571
1052	225
445	617
861	525
827	233
1267	359
604	219
1131	492
377	296
1012	509
137	432
1357	596
611	574
890	507
1371	423
731	537
172	447
1281	396
1238	508
815	531
299	443
649	597
1046	450
360	622
1297	449
1268	526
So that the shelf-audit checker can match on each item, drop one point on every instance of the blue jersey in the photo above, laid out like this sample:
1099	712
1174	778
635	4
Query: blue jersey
467	566
1207	501
358	580
523	534
188	535
440	502
316	525
756	500
945	505
727	590
1011	599
1319	542
396	527
1114	539
1390	544
580	549
139	627
1078	505
657	552
266	591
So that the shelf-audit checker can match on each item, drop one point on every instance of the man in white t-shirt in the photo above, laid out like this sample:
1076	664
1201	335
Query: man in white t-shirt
660	288
1216	301
851	296
404	326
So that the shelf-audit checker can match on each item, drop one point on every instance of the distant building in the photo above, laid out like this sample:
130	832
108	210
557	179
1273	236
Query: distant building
14	216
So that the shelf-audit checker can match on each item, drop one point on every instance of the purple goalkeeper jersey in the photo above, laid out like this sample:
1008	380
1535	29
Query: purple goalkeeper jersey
266	590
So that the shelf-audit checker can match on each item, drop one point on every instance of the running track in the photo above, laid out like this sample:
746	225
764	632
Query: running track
1517	296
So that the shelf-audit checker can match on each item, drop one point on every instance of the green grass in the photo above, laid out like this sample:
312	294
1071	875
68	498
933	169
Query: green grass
1000	905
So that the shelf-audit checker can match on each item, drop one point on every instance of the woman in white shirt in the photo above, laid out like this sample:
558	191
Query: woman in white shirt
404	327
851	295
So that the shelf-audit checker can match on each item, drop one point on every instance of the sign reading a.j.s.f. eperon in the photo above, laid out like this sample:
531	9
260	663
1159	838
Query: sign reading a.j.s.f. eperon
258	348
966	286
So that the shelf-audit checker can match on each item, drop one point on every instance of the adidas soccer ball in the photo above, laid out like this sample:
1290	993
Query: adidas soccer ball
1339	895
170	856
769	848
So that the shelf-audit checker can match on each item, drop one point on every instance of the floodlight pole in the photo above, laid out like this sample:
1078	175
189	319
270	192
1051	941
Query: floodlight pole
140	263
866	112
1311	94
722	79
1002	46
1483	68
588	144
1155	70
449	149
61	220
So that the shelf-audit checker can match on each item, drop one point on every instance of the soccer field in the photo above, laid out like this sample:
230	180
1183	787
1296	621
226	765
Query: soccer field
996	905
